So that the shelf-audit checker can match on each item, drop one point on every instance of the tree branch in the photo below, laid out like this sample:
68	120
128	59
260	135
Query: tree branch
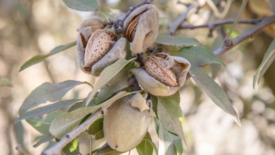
220	23
175	25
55	150
230	43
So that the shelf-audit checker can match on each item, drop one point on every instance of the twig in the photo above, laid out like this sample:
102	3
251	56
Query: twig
175	25
18	148
230	43
220	23
214	25
55	150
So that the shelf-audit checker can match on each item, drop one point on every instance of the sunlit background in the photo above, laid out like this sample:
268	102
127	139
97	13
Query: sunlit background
33	27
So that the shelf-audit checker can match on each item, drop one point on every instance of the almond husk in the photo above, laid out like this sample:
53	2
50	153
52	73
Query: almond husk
177	67
141	27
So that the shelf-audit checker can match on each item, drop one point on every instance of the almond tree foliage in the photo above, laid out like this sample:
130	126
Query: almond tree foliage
138	65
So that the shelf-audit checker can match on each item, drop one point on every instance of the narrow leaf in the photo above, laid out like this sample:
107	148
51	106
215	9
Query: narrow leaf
44	139
269	57
169	113
169	144
176	40
72	148
82	5
199	56
47	92
46	109
146	146
107	151
107	74
36	59
96	129
43	125
115	84
214	91
5	82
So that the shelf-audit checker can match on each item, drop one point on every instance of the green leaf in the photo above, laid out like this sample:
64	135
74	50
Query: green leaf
70	120
5	82
107	74
169	144
176	40
19	132
117	83
96	129
47	92
46	109
77	105
72	148
154	100
146	146
107	151
199	56
36	59
269	57
214	91
82	5
44	139
43	125
169	113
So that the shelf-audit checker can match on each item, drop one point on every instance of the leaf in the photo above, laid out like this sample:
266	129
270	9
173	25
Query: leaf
269	57
96	129
169	143
107	74
154	100
72	148
146	146
107	151
169	113
70	120
77	105
19	132
5	82
117	83
214	91
47	92
44	139
46	109
43	125
176	40
199	56
36	59
82	5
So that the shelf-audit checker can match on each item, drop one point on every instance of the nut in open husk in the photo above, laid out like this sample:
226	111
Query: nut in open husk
142	27
126	122
163	74
95	51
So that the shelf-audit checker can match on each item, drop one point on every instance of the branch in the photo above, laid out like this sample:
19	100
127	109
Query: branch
175	25
214	25
230	43
55	150
220	23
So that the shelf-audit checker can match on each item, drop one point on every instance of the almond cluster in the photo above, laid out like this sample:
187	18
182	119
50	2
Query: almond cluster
126	122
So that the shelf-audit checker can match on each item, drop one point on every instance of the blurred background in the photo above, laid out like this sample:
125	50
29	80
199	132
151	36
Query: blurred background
34	27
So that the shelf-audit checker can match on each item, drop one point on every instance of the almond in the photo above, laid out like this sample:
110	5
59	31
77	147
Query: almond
98	45
132	28
156	67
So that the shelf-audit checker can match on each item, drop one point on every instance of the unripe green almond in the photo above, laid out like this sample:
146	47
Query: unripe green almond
124	125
